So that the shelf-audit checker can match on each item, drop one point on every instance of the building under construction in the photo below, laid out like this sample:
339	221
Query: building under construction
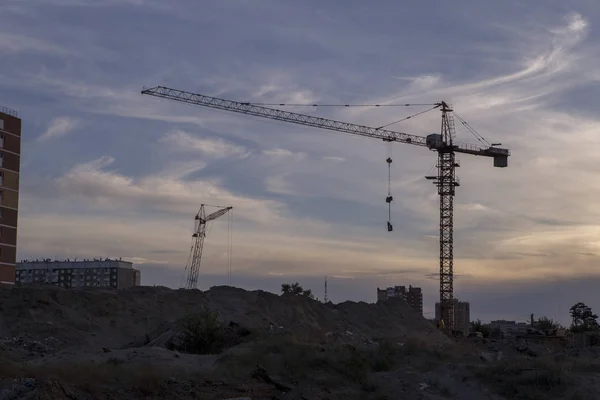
461	313
413	296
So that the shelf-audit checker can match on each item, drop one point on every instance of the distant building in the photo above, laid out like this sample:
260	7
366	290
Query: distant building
413	296
462	315
116	274
10	161
509	327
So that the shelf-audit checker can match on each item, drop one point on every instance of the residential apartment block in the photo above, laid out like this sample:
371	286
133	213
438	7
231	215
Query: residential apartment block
509	327
413	296
462	315
116	274
10	160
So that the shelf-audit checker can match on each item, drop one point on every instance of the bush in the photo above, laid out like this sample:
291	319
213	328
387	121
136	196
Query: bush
202	333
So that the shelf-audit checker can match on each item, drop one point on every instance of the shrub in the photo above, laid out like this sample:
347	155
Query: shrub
202	333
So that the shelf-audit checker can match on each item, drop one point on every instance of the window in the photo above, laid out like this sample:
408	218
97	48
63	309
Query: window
1	160
1	123
1	178
1	140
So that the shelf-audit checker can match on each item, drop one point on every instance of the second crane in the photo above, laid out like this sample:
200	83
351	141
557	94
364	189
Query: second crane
193	267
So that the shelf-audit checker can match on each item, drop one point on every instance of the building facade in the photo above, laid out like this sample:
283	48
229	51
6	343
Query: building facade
116	274
462	315
509	327
10	161
413	296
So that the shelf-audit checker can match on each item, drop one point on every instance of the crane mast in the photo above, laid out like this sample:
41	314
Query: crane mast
446	183
193	267
443	143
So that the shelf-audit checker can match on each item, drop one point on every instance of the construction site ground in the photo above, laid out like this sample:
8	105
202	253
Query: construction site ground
106	344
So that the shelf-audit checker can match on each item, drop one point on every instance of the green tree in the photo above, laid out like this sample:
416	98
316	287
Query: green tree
583	318
544	323
296	289
478	326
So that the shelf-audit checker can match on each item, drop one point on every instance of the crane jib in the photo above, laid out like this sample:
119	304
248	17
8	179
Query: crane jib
500	155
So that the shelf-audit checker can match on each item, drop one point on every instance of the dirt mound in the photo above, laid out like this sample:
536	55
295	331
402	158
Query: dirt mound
96	318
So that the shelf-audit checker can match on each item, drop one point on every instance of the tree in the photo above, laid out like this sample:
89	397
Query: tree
478	326
544	323
296	289
583	318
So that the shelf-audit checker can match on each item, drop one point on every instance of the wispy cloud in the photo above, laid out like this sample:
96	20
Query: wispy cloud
59	127
183	141
12	43
112	190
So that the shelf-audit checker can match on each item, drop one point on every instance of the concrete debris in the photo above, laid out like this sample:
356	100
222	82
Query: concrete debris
30	344
18	389
238	398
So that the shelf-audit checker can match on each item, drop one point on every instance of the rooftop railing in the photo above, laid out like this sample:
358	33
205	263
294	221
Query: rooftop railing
8	111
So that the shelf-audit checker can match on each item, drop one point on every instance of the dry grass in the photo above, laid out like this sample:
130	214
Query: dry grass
526	379
324	365
94	378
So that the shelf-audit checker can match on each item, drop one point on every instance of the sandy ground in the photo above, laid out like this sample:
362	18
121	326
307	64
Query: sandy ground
99	343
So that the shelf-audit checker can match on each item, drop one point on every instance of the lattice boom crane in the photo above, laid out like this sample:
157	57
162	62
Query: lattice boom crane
443	143
193	267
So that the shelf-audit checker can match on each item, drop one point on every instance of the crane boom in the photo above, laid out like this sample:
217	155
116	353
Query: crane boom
445	180
193	267
217	214
317	122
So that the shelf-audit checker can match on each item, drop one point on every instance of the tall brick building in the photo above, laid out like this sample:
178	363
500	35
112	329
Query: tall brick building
10	160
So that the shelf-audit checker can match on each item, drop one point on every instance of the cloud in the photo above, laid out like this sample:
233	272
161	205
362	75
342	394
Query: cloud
59	127
285	155
183	141
13	43
112	190
333	158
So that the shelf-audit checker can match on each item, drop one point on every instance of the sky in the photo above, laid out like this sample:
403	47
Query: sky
108	172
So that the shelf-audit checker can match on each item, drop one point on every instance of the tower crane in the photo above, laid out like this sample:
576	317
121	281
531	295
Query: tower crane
445	180
193	267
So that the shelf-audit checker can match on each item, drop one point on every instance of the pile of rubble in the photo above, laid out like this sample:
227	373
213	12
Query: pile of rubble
30	345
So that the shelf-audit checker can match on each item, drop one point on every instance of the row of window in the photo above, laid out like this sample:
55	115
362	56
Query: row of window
69	271
71	283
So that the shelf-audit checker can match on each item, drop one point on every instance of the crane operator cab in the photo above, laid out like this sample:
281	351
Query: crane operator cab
434	141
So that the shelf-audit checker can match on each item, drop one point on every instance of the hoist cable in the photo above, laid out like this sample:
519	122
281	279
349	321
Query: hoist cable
389	197
339	105
409	117
472	130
